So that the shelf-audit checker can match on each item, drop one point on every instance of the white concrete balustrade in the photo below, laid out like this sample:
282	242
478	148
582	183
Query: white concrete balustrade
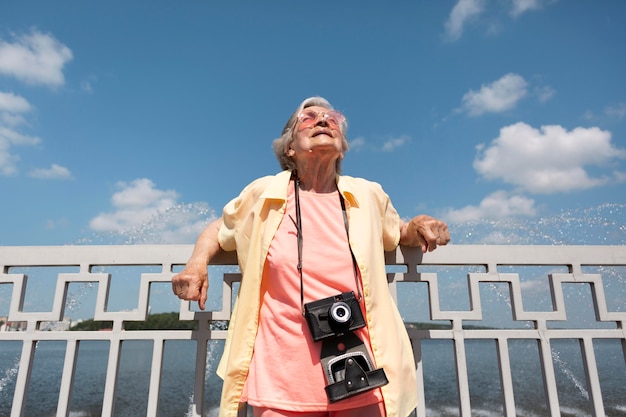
479	265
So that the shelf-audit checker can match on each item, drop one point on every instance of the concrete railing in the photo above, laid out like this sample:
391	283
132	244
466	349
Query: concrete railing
456	319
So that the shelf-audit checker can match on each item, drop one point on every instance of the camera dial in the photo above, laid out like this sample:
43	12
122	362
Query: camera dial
340	312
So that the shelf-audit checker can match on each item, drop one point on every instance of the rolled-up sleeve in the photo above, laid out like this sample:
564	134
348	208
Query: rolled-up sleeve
238	217
227	232
391	226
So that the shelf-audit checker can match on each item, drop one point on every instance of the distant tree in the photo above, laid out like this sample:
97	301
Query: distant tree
160	321
91	325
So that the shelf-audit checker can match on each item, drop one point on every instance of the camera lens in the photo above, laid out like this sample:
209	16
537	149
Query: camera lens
340	312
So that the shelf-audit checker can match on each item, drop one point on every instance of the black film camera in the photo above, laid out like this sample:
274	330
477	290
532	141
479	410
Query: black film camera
333	316
347	365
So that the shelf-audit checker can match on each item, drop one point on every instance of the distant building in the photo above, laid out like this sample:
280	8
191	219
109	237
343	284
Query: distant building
18	326
63	325
9	326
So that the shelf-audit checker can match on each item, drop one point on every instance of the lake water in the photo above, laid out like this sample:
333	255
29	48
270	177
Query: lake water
132	385
439	378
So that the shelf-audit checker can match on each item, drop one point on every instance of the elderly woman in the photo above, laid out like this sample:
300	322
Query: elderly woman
307	235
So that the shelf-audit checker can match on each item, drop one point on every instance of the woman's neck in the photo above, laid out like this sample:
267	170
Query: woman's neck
317	178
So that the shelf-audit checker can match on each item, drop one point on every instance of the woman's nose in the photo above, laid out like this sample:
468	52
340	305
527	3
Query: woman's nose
321	120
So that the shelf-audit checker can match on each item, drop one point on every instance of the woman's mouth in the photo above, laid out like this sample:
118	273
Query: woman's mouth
321	132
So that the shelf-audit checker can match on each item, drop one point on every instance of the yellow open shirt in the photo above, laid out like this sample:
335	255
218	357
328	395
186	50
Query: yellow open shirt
249	223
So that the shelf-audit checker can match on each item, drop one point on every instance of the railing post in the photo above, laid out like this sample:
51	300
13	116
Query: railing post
202	337
113	366
155	378
547	369
465	407
23	378
504	364
67	381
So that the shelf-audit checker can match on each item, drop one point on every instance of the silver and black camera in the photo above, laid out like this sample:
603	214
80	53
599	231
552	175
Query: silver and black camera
347	365
334	316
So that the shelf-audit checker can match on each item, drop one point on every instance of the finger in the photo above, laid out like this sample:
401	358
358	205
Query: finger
203	294
179	283
422	242
178	289
429	237
182	293
426	238
444	235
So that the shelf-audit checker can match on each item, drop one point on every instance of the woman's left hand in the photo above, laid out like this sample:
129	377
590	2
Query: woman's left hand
424	231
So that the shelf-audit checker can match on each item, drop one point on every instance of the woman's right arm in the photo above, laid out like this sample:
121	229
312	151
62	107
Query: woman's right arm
192	283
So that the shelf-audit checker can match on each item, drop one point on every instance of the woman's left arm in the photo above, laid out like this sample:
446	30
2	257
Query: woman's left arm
424	231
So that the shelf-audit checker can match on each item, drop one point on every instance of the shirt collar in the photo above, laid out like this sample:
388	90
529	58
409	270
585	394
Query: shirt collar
277	188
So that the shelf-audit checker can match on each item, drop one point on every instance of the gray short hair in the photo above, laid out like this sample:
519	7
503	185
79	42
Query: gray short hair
281	144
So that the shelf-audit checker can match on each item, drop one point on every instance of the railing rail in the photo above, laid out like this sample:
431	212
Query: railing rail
573	260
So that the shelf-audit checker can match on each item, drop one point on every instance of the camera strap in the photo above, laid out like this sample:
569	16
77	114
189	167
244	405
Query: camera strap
298	224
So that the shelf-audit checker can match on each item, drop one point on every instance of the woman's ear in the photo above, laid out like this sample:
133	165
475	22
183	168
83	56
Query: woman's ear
290	151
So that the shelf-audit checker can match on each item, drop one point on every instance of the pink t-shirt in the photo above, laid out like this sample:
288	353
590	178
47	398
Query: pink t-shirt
285	372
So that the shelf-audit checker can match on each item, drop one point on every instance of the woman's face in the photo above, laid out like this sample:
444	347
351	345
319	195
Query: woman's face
317	135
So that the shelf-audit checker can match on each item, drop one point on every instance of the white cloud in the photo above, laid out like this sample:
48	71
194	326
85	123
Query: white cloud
11	109
61	223
389	145
11	120
7	159
544	93
467	10
498	205
463	11
548	160
141	193
134	204
618	110
619	176
11	103
11	106
144	214
358	143
16	138
54	172
497	97
35	58
394	143
87	84
86	87
522	6
8	139
588	115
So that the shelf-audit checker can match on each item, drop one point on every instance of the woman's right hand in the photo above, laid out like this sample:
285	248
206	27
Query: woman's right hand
192	283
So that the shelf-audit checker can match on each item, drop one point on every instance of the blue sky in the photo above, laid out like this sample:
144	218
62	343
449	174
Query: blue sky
144	118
